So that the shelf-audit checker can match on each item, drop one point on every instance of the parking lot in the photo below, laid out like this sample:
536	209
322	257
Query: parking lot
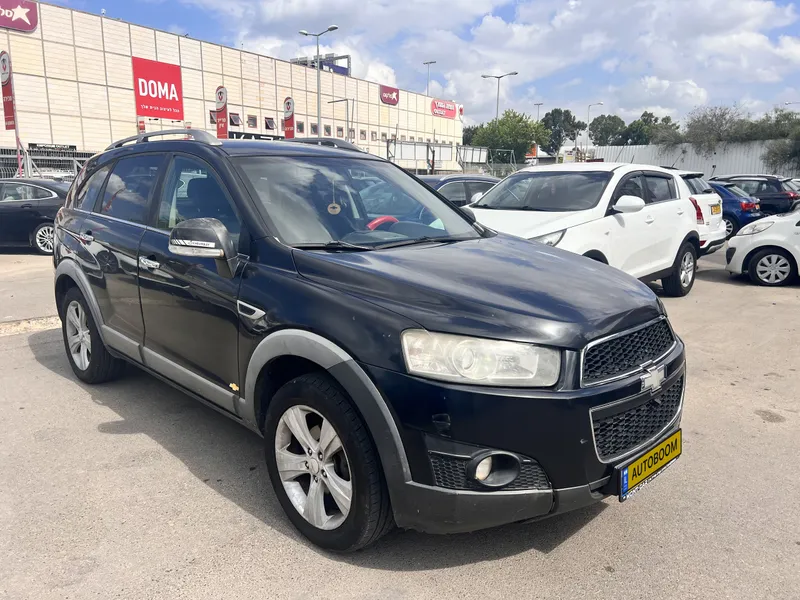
133	490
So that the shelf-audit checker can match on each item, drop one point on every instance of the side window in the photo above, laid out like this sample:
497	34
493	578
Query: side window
17	191
479	187
87	195
385	199
41	193
631	187
130	186
454	192
659	188
771	186
192	191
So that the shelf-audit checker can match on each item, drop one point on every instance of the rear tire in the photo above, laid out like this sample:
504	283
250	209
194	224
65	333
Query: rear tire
731	226
90	360
312	471
772	267
42	238
681	279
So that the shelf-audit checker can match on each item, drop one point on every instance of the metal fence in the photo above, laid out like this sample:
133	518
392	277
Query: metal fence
40	162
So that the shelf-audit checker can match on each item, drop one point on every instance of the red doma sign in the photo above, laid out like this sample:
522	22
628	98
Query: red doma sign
158	89
21	15
389	95
443	108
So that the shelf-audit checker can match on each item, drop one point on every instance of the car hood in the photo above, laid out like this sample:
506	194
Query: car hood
530	223
499	287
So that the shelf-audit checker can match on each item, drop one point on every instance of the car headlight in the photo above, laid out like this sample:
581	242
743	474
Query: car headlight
478	361
756	227
550	239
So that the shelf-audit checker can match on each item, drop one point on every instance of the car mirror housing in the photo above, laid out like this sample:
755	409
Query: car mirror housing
205	238
476	197
469	214
628	204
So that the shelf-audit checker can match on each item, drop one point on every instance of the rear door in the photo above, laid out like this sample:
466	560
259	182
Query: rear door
18	213
669	226
709	201
110	234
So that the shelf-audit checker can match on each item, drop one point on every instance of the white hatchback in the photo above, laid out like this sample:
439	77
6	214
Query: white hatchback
637	218
768	250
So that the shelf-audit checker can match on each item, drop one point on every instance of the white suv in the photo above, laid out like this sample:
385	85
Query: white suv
708	210
634	217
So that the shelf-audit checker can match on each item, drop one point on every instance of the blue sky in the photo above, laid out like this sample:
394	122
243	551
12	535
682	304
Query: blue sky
667	56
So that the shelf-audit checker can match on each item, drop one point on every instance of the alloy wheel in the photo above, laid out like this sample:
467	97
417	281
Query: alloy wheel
313	467
728	227
44	239
773	268
687	269
79	337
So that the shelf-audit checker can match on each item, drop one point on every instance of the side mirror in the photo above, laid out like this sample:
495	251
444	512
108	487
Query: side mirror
469	214
476	197
205	238
628	204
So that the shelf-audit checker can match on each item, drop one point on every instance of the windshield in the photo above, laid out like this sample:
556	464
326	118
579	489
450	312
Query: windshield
547	191
736	190
314	201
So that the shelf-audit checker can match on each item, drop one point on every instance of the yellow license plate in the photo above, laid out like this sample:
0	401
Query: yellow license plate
715	209
648	465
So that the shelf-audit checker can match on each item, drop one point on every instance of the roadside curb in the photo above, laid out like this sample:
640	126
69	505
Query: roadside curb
29	325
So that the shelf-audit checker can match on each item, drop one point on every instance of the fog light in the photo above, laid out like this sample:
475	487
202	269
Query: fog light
484	469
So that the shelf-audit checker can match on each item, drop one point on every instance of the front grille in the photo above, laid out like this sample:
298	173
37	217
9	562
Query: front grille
620	433
451	472
627	352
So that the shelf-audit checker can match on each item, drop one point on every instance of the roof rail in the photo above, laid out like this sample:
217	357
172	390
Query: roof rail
198	134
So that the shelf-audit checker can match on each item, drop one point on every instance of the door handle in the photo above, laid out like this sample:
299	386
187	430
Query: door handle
147	263
649	219
27	206
680	211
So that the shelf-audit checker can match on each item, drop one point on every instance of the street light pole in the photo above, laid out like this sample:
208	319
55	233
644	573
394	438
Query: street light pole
498	77
319	71
588	113
537	105
428	85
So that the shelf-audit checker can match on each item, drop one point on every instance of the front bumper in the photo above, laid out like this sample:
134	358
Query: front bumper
551	428
738	249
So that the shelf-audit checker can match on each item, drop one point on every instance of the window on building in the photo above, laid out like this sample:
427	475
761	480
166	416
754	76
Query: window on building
127	193
394	137
340	132
212	117
235	120
269	123
374	136
383	137
351	134
419	139
362	135
314	129
283	124
327	130
428	140
301	127
402	138
252	121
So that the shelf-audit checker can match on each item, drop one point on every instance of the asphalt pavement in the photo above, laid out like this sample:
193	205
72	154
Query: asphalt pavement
133	490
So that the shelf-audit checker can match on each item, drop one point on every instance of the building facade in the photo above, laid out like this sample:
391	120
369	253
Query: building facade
74	84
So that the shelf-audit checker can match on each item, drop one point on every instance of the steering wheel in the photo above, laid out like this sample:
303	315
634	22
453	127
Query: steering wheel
379	221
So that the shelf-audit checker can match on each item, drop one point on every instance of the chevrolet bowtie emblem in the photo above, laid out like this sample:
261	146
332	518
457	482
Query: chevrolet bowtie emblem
653	378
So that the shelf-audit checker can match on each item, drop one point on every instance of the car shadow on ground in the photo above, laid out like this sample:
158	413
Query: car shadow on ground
229	459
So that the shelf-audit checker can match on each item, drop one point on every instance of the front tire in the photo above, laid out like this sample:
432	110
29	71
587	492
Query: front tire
324	467
772	267
681	279
43	237
90	360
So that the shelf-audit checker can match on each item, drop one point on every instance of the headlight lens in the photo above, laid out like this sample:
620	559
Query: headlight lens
756	227
477	361
550	239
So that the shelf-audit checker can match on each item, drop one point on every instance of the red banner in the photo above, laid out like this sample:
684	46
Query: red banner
9	110
389	95
22	15
288	118
443	108
222	112
158	89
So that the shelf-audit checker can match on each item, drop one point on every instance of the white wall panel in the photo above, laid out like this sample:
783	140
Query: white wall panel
283	74
194	112
35	125
211	81
96	133
31	93
59	61
94	101
55	23
231	62
122	105
91	65
68	130
251	94
143	42
88	30
116	37
167	48
249	65
234	87
26	55
122	129
268	96
339	87
191	55
326	83
299	77
63	95
192	83
119	70
212	58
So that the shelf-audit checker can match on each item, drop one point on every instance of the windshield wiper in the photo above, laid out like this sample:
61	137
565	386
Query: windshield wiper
486	206
333	246
421	240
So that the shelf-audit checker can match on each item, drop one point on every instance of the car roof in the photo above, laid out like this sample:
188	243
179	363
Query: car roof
683	173
282	148
47	183
594	166
459	177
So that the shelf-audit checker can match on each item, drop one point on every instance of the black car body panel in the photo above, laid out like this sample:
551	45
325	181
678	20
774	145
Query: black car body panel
773	194
460	189
33	203
232	340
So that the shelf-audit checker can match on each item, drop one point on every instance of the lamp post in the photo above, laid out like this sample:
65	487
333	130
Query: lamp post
537	105
790	103
428	85
346	115
588	113
498	77
319	70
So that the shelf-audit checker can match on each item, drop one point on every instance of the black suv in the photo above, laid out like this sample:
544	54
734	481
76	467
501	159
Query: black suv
776	195
428	372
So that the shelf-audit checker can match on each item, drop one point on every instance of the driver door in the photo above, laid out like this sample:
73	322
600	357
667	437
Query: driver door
632	238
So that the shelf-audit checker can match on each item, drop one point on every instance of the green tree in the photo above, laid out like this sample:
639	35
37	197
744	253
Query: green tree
514	131
469	133
606	130
563	126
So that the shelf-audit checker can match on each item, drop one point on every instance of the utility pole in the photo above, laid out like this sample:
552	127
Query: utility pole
498	77
319	70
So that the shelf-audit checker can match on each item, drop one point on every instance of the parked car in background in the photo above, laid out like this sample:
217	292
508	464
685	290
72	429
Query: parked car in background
775	194
460	189
767	250
27	210
708	211
738	207
637	218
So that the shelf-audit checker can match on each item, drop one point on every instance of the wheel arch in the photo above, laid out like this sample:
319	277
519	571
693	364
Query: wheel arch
596	255
749	256
292	352
69	275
